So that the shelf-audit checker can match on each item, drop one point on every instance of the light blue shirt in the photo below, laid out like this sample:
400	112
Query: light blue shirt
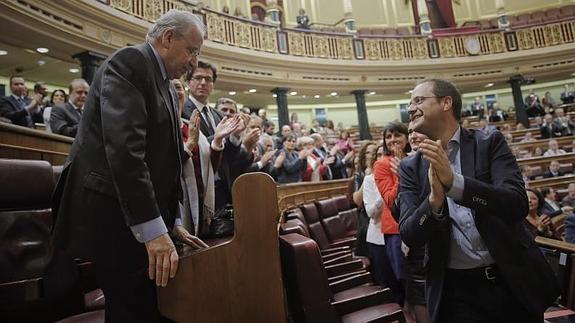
149	230
466	249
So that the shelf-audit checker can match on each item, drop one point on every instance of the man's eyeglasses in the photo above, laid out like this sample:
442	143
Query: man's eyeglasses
418	100
199	78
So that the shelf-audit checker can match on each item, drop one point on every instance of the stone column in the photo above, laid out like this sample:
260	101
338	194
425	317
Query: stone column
520	112
282	103
424	22
348	19
89	62
362	114
272	12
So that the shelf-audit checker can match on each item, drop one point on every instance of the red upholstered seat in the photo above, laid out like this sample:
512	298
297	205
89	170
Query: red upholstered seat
88	317
313	299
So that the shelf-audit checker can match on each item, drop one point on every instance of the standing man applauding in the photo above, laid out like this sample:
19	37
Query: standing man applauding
118	195
463	198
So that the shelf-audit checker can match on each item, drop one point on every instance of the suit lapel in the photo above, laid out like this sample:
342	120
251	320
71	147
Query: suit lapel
467	153
424	179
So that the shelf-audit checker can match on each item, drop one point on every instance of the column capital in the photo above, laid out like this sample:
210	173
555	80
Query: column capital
360	91
279	90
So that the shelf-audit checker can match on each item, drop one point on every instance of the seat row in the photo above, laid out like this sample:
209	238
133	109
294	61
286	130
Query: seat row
37	283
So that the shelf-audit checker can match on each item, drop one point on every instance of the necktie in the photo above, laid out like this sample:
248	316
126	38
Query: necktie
206	112
21	103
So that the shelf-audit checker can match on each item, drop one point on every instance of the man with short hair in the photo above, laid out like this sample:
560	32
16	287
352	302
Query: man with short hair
17	107
549	129
567	96
118	195
462	196
563	122
269	127
227	107
554	170
569	199
65	119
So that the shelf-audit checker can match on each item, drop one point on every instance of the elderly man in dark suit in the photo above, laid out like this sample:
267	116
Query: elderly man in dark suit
462	197
118	195
18	108
64	119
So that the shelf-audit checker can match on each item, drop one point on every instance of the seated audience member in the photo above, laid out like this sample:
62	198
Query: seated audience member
17	107
548	102
57	97
316	167
478	108
499	112
526	173
279	139
553	171
567	96
329	128
508	137
554	149
528	137
549	129
533	105
344	143
485	127
550	206
563	122
302	20
569	199
316	127
65	119
538	151
290	164
538	224
493	116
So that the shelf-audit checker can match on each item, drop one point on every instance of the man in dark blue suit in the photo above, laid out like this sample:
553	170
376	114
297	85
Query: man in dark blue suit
18	107
463	198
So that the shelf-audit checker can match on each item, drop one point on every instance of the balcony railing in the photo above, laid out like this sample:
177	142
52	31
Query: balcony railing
244	33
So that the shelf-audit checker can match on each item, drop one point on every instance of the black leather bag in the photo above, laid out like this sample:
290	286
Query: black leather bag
222	224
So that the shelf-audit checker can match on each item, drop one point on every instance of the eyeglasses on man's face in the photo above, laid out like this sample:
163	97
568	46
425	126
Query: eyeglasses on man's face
418	100
199	78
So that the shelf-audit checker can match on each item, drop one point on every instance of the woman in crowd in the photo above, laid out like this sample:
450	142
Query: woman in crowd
344	143
315	170
537	223
374	204
290	164
57	97
385	170
548	102
365	154
329	128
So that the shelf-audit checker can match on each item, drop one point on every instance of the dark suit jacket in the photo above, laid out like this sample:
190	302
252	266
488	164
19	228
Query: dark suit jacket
494	189
10	109
64	120
548	174
125	165
550	131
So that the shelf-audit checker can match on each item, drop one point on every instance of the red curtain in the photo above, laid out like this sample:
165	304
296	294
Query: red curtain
446	10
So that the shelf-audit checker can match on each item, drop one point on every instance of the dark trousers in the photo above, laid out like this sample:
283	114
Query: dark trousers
382	271
470	297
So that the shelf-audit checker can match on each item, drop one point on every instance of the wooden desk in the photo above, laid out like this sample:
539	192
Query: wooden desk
554	182
543	143
293	195
544	161
24	143
239	280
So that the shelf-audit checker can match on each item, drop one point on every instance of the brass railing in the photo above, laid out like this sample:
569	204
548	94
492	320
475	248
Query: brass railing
244	33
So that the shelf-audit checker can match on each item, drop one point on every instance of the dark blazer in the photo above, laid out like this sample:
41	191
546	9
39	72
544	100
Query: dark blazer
125	164
292	168
10	109
550	131
548	210
64	120
548	174
494	189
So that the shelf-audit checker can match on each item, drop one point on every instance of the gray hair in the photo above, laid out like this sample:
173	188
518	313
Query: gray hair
178	20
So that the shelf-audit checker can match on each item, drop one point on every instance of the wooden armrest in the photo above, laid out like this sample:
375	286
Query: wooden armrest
355	304
343	258
350	282
335	255
332	250
21	291
347	242
343	276
344	267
